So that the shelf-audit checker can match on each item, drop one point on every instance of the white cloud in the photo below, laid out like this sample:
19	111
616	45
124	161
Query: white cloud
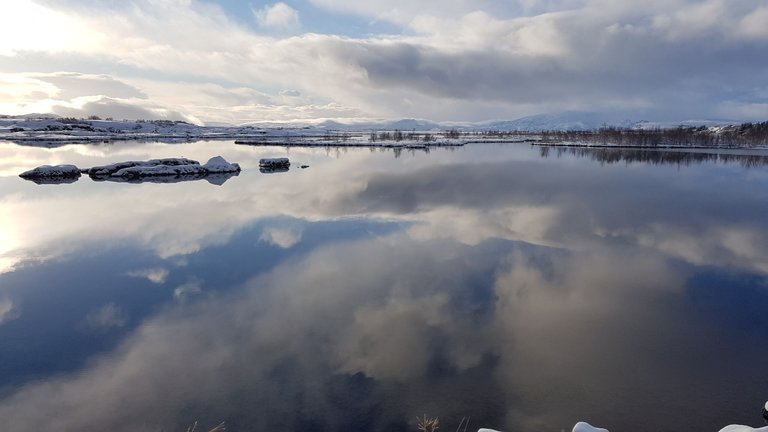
391	326
154	275
106	318
282	237
29	26
754	25
8	311
278	16
185	291
455	60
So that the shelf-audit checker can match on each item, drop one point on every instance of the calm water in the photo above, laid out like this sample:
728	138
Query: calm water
525	288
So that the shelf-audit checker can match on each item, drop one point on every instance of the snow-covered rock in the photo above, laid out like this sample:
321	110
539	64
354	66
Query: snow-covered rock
586	427
113	169
170	167
274	162
218	164
52	171
173	167
161	170
741	428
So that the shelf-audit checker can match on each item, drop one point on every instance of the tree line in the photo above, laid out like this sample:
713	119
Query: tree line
743	135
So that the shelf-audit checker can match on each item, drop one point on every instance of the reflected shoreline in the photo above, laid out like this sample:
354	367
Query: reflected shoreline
632	155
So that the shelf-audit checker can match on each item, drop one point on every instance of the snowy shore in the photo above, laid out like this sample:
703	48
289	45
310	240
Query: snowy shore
586	427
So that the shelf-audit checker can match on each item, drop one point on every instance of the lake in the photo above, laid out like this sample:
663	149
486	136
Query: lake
524	288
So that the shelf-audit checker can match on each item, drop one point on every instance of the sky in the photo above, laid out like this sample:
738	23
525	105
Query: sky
229	61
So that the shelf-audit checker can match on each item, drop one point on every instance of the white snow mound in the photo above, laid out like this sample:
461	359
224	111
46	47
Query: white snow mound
586	427
218	164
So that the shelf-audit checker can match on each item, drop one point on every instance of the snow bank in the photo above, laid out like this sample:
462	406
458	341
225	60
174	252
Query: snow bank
586	427
52	171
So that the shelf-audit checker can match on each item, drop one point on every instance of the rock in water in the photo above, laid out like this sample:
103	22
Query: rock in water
112	169
274	163
218	164
52	173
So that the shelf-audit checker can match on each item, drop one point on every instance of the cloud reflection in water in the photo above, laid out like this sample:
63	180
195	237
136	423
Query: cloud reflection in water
527	293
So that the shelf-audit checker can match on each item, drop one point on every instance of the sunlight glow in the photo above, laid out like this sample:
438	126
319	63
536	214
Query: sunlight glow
32	27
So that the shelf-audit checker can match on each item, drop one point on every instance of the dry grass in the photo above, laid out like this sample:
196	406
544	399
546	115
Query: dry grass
427	424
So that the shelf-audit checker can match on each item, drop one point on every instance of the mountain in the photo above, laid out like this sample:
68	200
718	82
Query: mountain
403	125
562	121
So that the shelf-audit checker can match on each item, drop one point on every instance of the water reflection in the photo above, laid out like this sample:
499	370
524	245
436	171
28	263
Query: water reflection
525	292
603	155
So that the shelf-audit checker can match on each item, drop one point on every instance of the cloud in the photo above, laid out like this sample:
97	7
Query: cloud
460	60
154	275
106	318
376	322
119	109
282	237
188	290
338	331
73	94
71	85
8	311
278	16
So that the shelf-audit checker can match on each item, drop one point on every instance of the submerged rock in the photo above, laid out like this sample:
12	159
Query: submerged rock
52	172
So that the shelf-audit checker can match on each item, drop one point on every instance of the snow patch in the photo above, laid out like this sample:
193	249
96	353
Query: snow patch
741	428
586	427
218	164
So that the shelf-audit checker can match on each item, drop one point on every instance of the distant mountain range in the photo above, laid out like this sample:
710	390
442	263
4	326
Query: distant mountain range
569	120
562	121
